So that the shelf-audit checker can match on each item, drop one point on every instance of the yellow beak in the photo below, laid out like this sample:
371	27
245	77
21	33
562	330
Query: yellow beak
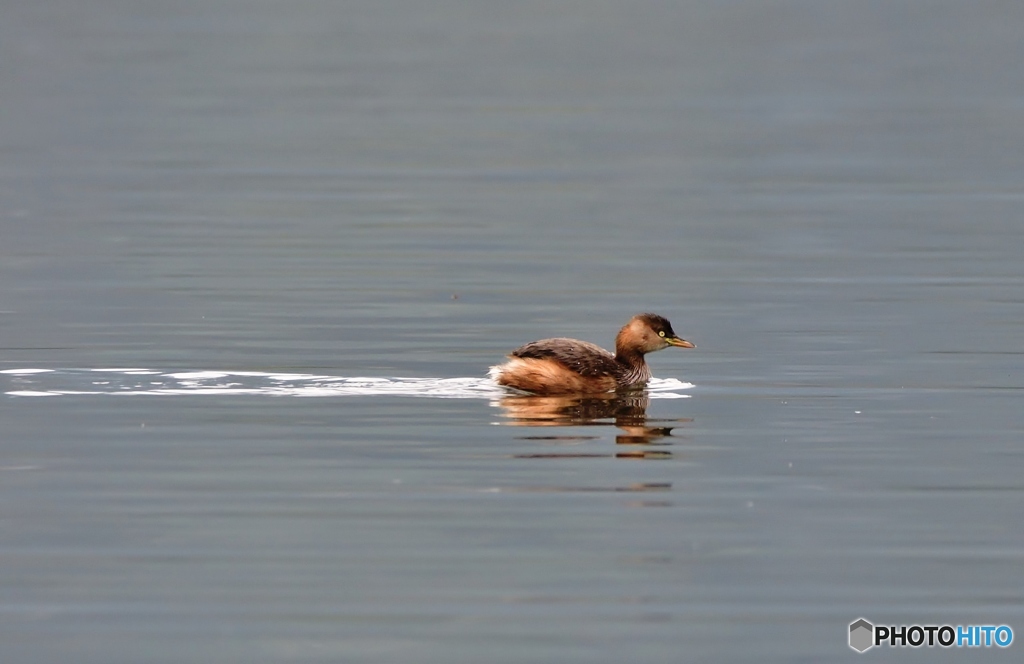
681	343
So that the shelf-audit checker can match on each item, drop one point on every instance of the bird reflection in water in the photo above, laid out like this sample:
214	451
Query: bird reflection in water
641	438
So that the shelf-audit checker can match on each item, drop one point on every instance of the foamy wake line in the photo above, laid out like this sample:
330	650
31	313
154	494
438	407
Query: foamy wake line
140	382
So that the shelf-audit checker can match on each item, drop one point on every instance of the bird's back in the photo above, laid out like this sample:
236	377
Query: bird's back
582	357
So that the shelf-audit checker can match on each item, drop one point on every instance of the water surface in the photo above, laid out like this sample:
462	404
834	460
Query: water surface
209	210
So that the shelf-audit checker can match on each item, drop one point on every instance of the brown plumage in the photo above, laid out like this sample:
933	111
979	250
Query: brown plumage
567	366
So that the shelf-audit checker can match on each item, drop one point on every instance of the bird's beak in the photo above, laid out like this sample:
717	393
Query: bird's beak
681	343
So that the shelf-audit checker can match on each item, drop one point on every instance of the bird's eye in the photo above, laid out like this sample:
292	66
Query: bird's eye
662	333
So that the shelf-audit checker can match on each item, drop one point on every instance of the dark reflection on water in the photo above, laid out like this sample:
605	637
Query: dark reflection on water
628	412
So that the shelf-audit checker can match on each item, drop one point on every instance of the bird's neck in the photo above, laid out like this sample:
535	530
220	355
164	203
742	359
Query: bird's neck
633	364
629	356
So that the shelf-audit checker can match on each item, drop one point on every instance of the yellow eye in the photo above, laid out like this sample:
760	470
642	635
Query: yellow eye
662	333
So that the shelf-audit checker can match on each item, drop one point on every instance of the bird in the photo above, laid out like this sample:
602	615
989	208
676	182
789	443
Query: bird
571	366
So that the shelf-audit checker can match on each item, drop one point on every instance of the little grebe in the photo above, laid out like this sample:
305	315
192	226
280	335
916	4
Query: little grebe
567	366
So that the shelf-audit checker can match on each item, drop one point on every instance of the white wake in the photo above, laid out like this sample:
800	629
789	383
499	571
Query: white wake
138	382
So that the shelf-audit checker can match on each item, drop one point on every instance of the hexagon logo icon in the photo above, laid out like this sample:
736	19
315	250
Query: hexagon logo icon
861	635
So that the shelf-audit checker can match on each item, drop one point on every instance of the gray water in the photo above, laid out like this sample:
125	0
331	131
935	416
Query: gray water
268	250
